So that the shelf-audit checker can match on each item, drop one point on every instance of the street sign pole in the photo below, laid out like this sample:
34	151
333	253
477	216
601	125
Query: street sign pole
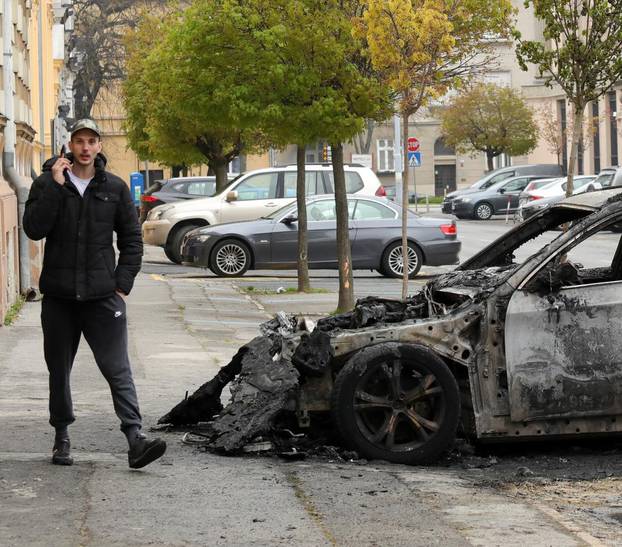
397	157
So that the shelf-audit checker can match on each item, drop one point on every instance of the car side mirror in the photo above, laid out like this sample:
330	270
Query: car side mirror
289	219
232	196
502	190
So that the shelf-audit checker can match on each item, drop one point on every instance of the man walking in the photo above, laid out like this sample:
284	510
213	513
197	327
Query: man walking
76	205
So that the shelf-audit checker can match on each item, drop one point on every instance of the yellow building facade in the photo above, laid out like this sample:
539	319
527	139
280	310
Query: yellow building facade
33	34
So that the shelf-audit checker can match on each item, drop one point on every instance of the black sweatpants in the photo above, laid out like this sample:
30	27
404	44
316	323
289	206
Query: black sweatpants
104	325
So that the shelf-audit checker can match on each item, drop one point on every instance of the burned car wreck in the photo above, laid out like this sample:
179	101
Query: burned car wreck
500	348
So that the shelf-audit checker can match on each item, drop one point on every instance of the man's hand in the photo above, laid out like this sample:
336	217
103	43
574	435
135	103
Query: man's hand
121	293
58	169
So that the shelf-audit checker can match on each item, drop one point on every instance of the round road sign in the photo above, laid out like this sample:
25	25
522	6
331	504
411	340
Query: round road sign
413	144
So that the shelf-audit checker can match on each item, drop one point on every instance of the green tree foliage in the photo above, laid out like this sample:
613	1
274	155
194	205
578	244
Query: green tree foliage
580	53
490	119
226	76
189	94
423	48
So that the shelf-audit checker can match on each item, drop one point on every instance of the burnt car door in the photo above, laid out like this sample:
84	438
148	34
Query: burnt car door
562	331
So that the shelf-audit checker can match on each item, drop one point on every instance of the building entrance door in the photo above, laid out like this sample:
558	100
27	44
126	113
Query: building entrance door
444	179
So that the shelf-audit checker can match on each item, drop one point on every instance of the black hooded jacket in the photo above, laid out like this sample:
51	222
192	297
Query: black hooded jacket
79	259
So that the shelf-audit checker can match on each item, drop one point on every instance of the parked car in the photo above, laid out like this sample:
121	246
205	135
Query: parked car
251	196
499	198
493	177
557	187
529	208
509	349
390	193
375	234
177	189
609	177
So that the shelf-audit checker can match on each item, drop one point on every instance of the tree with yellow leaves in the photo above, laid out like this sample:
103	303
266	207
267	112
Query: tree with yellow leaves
423	48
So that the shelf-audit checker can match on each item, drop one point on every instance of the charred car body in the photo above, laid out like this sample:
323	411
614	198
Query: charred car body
502	348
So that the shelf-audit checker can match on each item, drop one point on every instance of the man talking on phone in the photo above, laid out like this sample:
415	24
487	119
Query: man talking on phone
77	205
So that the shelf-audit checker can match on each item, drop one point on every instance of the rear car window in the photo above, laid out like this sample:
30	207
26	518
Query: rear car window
354	182
155	187
202	188
313	186
516	185
368	210
604	179
260	186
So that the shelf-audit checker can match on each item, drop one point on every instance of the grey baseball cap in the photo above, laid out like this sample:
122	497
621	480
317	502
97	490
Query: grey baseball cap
85	123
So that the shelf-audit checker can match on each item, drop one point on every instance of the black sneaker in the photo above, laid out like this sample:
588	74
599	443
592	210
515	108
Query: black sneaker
143	451
61	453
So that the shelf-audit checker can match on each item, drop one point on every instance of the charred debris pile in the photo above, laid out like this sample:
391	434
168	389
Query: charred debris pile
266	374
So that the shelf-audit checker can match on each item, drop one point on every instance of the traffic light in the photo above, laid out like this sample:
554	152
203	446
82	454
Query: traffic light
326	155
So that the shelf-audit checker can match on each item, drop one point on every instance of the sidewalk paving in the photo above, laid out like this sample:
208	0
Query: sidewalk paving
182	329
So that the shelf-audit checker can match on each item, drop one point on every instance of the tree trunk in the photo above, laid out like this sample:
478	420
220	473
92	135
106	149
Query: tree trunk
220	170
577	131
344	255
490	160
405	178
303	258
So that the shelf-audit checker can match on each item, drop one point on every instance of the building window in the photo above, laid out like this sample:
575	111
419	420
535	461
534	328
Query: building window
385	155
596	136
564	127
441	148
234	166
613	113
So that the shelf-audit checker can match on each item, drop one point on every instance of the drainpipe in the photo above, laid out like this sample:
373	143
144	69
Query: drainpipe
16	182
41	98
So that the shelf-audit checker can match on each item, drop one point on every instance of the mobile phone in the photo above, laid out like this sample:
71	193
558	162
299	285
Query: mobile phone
63	154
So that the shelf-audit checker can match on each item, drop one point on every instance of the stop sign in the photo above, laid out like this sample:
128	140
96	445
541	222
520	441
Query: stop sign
413	144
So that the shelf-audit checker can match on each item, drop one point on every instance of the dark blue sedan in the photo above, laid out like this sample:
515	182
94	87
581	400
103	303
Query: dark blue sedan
271	242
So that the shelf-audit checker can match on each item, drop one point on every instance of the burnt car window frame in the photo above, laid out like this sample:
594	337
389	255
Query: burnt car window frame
572	242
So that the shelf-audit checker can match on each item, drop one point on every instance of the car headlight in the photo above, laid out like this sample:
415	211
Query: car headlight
202	238
156	214
463	200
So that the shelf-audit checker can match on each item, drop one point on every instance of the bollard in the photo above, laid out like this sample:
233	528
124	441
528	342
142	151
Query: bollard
427	203
507	211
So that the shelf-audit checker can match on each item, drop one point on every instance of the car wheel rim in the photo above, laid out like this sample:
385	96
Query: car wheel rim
396	260
398	406
231	259
483	211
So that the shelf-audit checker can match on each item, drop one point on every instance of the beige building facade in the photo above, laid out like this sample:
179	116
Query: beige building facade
442	169
32	34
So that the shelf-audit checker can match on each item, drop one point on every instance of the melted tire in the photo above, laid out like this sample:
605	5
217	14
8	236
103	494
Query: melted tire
358	397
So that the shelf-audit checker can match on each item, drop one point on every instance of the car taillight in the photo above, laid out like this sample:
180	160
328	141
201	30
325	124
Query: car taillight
381	192
148	199
449	229
534	198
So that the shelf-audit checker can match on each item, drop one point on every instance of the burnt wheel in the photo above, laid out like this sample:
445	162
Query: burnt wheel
396	402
